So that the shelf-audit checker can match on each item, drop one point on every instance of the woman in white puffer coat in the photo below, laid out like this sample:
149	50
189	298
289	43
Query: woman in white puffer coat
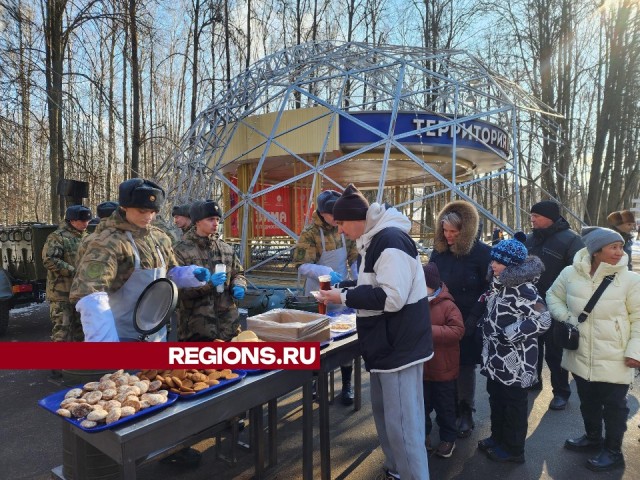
609	348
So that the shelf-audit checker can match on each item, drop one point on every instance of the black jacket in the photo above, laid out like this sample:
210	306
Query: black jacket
463	267
555	246
466	278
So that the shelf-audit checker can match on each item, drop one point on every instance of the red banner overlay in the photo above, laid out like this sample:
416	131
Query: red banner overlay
141	355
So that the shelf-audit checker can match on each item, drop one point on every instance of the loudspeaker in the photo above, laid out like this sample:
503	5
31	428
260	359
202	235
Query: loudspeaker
73	188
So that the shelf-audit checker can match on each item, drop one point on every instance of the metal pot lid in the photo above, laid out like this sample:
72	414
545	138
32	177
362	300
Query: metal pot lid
155	306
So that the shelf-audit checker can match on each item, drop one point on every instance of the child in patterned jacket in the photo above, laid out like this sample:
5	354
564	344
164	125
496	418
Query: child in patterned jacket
515	316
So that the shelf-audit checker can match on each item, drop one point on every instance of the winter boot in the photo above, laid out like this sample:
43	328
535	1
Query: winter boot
606	460
466	420
585	443
347	389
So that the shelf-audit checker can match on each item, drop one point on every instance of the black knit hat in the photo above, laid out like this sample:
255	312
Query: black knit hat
509	252
105	209
326	200
547	209
140	193
77	212
432	275
521	237
182	210
204	209
351	205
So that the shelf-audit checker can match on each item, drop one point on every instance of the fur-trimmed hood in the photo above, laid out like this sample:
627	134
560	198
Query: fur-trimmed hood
528	271
468	233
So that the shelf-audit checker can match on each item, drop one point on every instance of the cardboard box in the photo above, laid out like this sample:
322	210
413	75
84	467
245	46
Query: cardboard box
286	325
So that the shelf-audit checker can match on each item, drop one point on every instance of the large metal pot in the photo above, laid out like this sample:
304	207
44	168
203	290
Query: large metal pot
306	303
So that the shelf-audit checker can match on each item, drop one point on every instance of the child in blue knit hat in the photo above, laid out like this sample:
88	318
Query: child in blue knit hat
515	316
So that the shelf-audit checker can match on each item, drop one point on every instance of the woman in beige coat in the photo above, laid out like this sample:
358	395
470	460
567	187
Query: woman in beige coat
609	348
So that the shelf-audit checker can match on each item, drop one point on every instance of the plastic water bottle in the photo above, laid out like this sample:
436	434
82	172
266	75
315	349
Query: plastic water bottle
243	313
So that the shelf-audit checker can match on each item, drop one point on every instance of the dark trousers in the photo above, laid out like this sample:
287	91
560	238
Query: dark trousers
549	351
441	397
509	408
600	401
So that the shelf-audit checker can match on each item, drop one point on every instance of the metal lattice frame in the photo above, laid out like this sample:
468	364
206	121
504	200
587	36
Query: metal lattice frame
346	78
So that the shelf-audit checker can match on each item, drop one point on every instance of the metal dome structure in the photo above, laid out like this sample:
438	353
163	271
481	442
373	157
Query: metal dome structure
325	114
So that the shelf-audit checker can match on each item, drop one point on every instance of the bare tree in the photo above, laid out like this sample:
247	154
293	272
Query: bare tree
135	89
57	33
621	29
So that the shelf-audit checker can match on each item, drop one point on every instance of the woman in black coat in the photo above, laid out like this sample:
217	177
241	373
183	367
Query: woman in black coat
463	262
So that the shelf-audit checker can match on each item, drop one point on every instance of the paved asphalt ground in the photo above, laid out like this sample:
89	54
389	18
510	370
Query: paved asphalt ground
30	437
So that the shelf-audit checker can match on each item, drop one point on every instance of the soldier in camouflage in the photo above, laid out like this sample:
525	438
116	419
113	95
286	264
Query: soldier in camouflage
172	232
182	217
321	250
122	260
105	209
59	258
322	238
205	313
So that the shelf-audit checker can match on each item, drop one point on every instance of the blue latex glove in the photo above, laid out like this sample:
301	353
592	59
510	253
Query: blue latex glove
218	278
238	292
335	277
201	274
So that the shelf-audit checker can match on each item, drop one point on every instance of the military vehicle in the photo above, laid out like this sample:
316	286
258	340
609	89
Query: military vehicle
23	277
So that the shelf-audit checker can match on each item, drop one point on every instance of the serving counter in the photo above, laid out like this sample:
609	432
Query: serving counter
132	444
188	421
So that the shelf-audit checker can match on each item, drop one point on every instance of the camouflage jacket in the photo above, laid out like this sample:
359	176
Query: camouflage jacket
173	232
309	246
87	239
206	314
59	258
109	259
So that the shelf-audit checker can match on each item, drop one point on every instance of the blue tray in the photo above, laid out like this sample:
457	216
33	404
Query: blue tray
251	371
338	336
345	310
52	403
214	388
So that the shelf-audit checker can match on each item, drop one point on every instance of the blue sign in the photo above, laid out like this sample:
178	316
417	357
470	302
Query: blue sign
475	134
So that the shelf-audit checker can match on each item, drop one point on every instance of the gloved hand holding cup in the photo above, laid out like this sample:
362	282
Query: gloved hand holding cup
219	277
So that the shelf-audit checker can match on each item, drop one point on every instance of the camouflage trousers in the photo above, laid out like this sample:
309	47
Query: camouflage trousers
66	322
198	328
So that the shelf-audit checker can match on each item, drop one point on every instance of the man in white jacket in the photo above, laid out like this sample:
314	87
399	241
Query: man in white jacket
394	327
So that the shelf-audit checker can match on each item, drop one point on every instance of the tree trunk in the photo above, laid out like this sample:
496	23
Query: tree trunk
194	60
248	59
135	88
607	122
111	152
54	53
125	116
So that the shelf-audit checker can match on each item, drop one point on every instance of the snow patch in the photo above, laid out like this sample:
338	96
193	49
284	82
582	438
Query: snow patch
26	309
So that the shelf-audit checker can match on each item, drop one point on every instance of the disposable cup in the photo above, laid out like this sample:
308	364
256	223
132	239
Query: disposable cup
220	268
325	282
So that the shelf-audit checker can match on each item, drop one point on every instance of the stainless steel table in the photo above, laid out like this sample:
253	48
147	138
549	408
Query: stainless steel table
130	444
335	354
